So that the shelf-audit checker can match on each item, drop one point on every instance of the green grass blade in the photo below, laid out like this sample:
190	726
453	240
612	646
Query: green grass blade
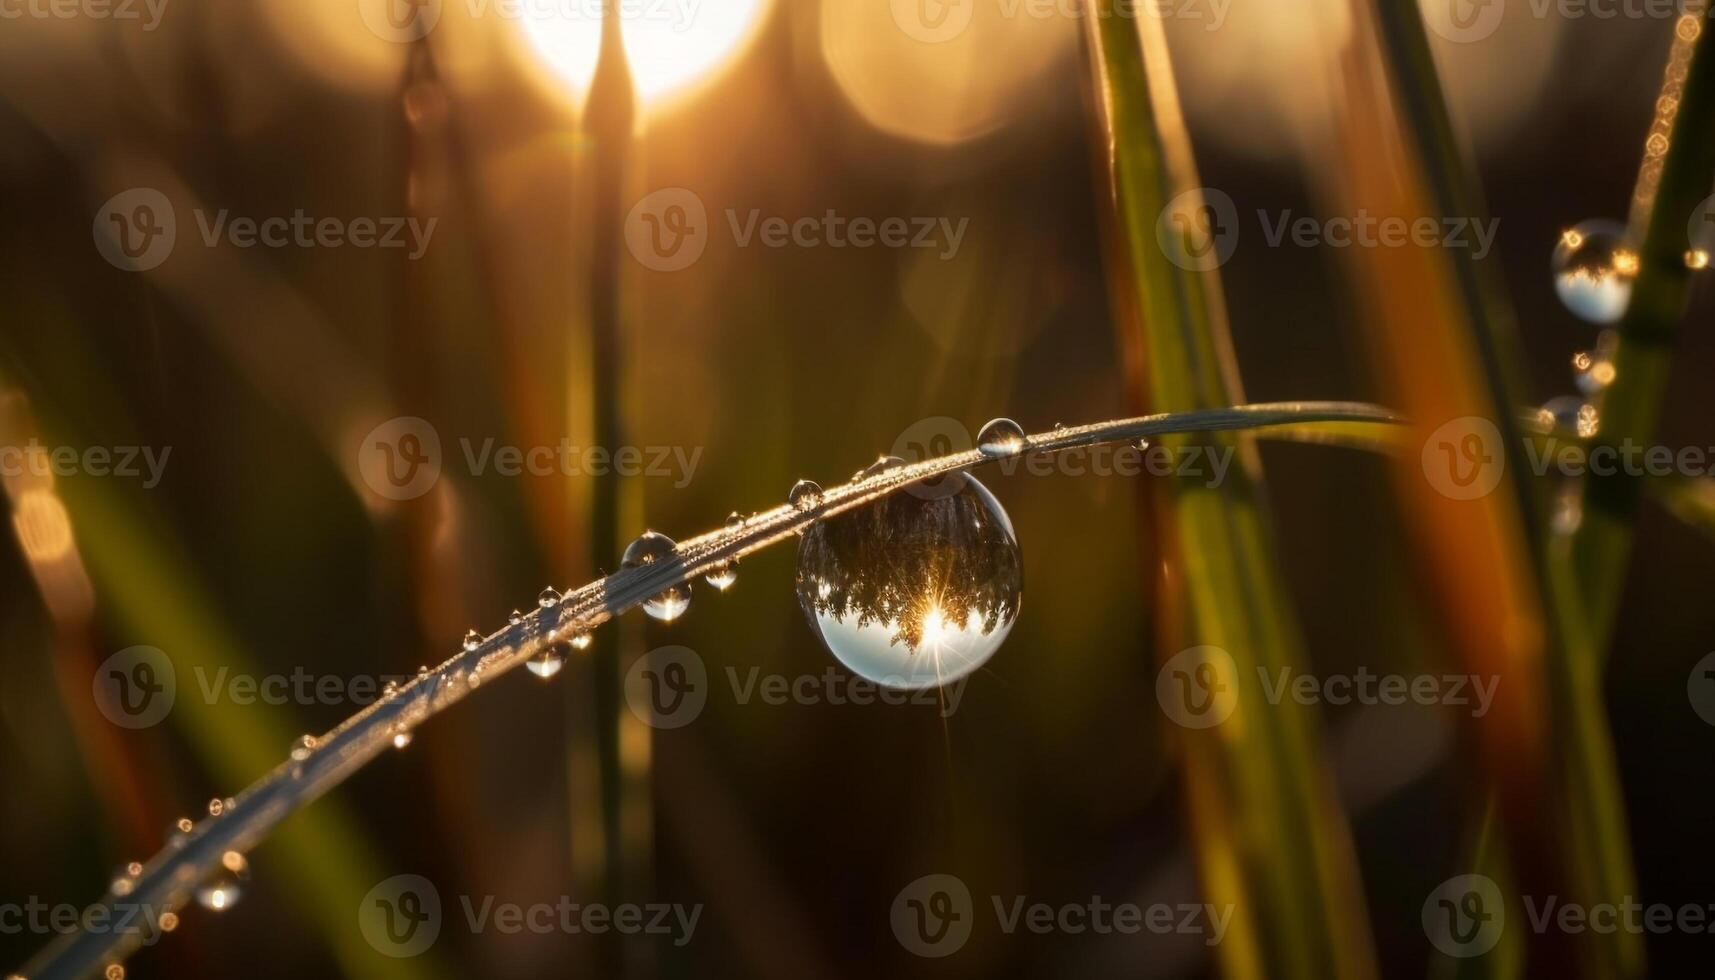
1269	834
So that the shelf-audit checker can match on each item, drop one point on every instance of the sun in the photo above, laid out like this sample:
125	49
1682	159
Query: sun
672	45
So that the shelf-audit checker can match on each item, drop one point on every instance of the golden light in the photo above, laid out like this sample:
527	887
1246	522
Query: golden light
672	45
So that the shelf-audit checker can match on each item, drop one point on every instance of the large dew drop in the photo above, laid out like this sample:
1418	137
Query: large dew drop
1001	437
650	547
911	592
1594	266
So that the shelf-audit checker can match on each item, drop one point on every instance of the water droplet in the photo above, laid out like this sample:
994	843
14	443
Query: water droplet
472	640
169	921
302	747
547	663
1143	445
581	640
401	735
1697	258
124	880
134	868
805	495
1568	511
1592	371
389	689
114	971
1001	437
222	889
548	598
911	592
649	548
514	617
1569	413
1594	266
722	576
216	807
734	521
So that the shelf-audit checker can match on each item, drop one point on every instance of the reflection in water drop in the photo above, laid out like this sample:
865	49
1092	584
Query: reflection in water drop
1594	266
1001	437
805	495
722	576
548	597
1569	413
223	888
581	640
911	592
650	547
547	663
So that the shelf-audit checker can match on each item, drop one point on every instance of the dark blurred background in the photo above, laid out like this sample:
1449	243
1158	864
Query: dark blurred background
261	548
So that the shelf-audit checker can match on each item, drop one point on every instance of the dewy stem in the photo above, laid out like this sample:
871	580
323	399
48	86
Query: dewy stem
316	765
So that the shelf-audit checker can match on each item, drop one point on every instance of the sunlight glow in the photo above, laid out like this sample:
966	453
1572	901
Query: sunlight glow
670	44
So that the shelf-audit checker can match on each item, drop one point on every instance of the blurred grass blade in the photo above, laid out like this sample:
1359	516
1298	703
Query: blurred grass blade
1592	854
1269	834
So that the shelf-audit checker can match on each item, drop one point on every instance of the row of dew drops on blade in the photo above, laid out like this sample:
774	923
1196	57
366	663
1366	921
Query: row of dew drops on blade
221	890
1595	265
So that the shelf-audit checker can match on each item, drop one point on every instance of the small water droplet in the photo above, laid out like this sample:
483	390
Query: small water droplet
1568	511
114	971
389	689
124	880
805	495
1696	259
548	598
722	576
472	640
1143	445
401	735
1001	437
581	640
734	520
1592	372
514	617
1569	413
1594	267
649	548
216	807
548	662
911	592
169	921
224	887
302	747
